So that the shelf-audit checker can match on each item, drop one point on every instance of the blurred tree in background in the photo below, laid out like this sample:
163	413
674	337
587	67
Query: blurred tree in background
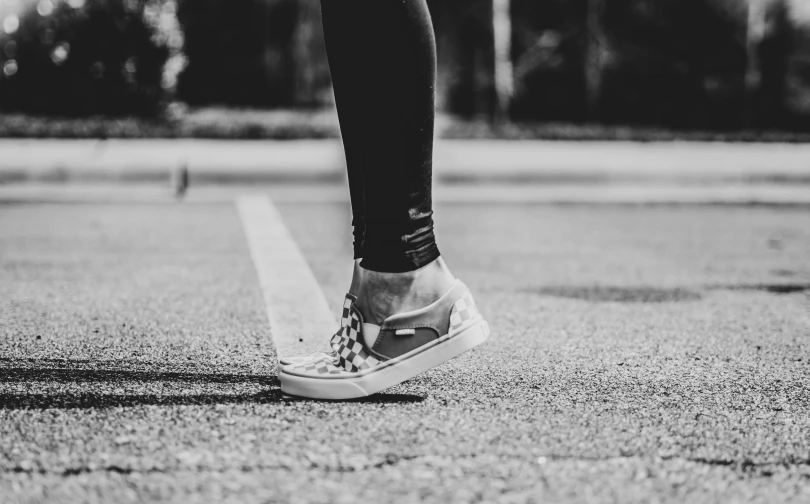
239	52
678	63
674	63
82	57
266	53
709	64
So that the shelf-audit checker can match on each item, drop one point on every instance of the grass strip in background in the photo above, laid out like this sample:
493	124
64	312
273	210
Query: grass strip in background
233	124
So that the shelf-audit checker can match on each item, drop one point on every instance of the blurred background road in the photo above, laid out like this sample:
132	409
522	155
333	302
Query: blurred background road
624	184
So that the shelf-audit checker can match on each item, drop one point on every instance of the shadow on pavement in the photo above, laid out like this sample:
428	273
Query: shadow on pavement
774	288
615	294
629	294
72	375
372	399
63	375
52	372
99	401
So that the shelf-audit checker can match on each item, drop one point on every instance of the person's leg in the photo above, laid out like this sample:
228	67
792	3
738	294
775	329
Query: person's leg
343	42
397	72
383	60
405	313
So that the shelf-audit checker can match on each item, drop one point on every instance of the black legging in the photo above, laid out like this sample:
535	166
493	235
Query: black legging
382	55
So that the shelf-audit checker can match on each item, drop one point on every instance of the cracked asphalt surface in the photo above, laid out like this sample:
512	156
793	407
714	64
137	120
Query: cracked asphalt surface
639	354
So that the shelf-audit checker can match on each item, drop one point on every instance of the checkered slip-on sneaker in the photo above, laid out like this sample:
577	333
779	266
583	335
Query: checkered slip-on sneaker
366	359
302	360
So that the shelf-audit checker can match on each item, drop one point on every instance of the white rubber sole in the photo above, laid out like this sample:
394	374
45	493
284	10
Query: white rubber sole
283	362
391	372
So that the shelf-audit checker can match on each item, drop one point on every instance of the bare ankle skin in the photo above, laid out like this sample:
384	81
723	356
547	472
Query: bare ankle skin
380	295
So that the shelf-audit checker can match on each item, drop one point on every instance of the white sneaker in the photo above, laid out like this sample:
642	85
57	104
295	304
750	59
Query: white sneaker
367	358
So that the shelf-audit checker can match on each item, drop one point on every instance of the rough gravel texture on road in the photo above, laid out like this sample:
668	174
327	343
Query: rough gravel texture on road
639	354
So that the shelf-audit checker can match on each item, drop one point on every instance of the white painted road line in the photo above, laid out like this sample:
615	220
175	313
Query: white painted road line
300	319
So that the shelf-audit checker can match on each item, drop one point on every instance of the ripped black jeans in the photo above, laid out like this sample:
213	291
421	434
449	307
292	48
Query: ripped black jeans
382	56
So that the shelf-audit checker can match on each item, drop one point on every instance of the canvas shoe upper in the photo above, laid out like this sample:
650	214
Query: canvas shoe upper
300	360
366	358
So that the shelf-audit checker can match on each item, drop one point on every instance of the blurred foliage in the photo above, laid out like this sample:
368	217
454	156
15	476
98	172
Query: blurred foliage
85	57
240	52
212	123
672	63
548	53
289	124
677	64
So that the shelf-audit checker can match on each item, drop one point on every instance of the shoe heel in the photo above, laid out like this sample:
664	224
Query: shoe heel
469	338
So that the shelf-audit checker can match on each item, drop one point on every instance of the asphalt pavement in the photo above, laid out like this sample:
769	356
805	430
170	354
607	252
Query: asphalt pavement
639	354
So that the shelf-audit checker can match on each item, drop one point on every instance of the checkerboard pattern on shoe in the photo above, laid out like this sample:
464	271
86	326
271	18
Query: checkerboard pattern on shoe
407	344
322	366
348	353
303	360
352	355
463	310
346	316
300	360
